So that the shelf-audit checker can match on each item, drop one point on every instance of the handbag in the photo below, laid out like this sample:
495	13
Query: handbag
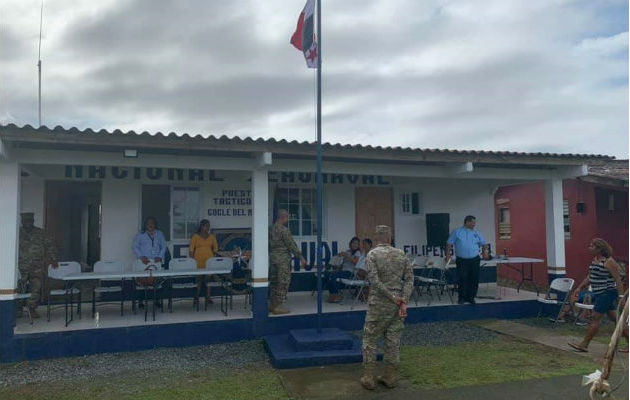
149	280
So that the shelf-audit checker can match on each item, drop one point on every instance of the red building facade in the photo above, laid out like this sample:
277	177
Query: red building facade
594	206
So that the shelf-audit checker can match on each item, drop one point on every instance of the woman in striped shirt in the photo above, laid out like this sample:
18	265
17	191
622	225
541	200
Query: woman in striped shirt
606	284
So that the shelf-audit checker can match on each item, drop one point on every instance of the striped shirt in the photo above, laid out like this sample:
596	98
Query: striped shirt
600	278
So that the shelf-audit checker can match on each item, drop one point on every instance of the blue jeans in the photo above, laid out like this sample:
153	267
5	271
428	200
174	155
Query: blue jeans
333	286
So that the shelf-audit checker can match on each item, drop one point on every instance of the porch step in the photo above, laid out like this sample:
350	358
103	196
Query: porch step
306	348
327	339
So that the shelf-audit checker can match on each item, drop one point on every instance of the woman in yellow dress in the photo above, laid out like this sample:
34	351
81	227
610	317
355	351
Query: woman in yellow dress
203	245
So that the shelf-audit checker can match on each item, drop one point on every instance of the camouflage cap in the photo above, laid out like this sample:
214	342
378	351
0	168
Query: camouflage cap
383	230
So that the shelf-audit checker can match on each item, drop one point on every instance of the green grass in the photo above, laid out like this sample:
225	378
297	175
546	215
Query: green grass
502	360
258	384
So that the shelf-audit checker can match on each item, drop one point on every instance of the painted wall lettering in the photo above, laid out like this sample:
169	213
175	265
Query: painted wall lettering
232	203
137	173
307	177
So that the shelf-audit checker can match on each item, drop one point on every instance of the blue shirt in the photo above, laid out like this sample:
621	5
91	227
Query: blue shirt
145	245
466	242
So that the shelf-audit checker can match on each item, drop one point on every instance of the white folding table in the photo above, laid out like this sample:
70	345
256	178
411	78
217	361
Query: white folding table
517	264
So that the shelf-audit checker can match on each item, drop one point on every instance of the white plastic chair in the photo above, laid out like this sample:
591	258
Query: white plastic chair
221	266
104	267
182	264
586	306
558	286
65	268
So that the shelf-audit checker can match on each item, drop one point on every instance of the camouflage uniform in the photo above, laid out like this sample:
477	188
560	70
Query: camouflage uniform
36	251
390	275
281	248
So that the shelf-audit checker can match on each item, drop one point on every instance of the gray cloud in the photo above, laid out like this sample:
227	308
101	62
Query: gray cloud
526	76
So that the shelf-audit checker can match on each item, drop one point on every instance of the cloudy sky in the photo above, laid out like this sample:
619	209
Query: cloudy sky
535	75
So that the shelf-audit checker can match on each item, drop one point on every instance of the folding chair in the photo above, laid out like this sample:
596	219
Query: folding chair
146	288
105	267
585	306
353	283
23	294
183	264
434	274
65	268
221	265
558	286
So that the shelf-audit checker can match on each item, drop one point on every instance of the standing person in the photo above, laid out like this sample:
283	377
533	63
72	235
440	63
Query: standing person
391	280
606	285
350	259
36	251
149	244
203	245
467	242
282	248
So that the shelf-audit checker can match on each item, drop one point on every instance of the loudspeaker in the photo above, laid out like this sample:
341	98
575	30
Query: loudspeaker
580	207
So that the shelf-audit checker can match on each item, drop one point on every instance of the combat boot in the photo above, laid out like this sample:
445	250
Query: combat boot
280	309
390	376
367	379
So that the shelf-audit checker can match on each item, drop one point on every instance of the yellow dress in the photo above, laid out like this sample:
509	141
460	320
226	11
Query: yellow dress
203	249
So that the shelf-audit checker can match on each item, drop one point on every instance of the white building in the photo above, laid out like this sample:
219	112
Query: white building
91	191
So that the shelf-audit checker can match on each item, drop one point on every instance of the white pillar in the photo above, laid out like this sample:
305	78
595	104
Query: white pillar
554	223
260	228
9	227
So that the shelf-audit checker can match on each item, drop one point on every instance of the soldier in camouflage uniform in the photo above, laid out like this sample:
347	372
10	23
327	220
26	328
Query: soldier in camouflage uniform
391	282
36	252
281	250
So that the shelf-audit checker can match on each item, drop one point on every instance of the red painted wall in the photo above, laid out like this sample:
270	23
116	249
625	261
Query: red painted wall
527	217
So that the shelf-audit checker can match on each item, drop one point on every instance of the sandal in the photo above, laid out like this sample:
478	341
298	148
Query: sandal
577	347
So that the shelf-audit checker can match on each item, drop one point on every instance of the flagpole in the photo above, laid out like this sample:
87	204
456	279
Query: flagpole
319	166
39	67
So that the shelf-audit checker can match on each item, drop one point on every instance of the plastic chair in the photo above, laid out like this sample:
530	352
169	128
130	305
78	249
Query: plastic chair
183	264
558	286
220	266
104	267
65	268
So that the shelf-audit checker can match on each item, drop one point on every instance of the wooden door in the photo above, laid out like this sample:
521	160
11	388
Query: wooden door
373	206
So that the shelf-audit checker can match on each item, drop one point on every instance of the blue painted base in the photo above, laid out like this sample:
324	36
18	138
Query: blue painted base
327	339
284	355
18	347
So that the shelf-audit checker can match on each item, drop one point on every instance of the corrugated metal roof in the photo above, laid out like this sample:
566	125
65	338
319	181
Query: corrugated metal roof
614	169
267	144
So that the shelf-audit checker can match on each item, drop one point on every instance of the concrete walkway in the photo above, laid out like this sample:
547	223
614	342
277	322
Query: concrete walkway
546	337
341	382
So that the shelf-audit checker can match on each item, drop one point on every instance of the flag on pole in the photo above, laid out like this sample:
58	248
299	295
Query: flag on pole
303	38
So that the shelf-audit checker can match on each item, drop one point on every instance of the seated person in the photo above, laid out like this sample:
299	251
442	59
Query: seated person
583	297
366	245
350	260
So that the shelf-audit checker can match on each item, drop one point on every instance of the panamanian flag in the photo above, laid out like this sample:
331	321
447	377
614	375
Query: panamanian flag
303	38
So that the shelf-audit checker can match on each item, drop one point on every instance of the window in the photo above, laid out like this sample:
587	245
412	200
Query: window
567	221
505	227
611	202
185	212
410	203
302	206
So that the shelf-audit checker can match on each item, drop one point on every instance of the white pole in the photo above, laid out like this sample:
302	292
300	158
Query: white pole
39	66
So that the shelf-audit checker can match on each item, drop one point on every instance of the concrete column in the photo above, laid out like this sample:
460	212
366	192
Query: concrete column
554	224
9	227
260	243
